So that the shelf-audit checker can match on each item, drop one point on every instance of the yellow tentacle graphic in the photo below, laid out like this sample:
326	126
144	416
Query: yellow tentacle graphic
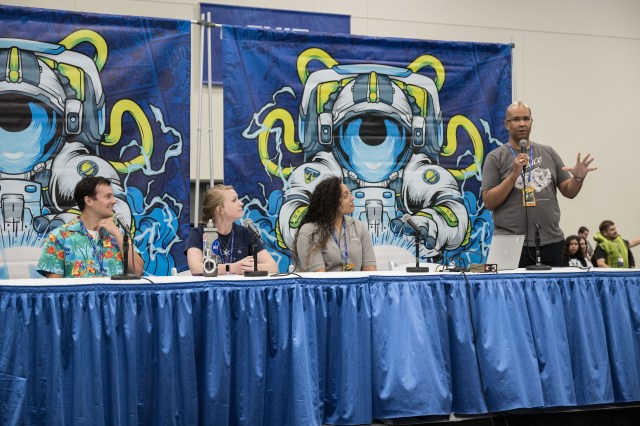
146	135
308	56
81	36
433	62
452	145
288	127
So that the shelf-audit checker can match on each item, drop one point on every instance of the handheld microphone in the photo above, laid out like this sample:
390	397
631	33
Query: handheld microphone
523	146
256	232
523	149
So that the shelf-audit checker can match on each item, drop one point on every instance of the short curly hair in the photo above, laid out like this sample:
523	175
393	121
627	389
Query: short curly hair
87	188
323	210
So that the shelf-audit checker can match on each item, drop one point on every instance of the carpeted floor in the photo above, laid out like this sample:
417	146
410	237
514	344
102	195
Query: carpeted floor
628	415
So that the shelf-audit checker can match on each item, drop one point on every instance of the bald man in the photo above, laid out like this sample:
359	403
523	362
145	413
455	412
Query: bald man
519	181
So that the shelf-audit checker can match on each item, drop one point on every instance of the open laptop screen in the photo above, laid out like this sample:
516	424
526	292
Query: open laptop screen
505	251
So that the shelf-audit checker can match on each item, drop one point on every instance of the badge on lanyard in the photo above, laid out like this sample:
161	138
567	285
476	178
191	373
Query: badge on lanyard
528	193
346	265
528	196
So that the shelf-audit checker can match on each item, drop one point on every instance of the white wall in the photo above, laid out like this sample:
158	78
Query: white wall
576	65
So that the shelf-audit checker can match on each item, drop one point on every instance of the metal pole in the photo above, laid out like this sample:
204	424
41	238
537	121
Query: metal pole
199	128
211	174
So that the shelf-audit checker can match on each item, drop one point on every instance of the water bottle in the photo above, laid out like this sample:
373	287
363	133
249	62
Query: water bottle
209	250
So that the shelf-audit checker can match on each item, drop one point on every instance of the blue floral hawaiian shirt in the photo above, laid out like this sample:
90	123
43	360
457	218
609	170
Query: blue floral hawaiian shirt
72	252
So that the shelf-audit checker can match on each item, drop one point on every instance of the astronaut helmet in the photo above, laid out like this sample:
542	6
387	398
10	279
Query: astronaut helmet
371	120
372	117
48	95
31	110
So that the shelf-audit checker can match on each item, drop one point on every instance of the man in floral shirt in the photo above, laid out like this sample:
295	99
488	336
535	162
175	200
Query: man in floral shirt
89	245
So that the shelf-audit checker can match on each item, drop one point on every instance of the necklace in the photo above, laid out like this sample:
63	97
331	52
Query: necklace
227	249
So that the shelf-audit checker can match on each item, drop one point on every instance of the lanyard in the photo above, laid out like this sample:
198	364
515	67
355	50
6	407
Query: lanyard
345	253
530	159
99	258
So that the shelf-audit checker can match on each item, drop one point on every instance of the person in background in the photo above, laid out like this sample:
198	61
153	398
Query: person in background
572	254
583	232
612	251
89	245
584	247
222	205
515	177
328	238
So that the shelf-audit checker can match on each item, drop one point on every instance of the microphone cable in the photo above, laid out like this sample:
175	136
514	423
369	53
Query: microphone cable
293	271
523	149
463	265
526	221
133	255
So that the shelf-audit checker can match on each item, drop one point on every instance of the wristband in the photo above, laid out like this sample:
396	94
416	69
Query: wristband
578	179
226	268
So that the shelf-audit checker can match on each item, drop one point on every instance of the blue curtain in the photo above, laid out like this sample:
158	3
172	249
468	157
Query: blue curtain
313	351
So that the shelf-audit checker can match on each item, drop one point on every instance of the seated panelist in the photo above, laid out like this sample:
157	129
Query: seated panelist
330	240
222	205
89	245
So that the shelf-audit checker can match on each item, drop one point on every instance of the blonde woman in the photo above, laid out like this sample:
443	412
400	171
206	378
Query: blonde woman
222	205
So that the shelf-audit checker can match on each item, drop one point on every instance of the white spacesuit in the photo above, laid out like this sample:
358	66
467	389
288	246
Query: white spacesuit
378	127
51	124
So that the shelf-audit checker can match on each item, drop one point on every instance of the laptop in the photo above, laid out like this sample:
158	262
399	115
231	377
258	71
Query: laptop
505	251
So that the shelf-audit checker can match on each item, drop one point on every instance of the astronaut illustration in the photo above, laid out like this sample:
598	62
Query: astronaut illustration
380	128
52	121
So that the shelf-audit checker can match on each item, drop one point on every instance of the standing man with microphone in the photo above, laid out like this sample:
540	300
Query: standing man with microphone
90	245
519	185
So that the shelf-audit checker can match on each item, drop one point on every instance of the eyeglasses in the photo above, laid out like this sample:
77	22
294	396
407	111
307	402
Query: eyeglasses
519	119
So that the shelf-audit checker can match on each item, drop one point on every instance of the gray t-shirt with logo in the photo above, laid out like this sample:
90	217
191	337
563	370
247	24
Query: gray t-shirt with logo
544	173
359	248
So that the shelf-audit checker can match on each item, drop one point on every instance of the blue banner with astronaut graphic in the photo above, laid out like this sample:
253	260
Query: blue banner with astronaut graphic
405	123
86	94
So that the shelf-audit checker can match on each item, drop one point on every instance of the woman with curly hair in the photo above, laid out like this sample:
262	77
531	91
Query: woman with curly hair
572	254
328	240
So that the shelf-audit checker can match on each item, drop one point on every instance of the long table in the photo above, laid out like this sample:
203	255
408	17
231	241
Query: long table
319	348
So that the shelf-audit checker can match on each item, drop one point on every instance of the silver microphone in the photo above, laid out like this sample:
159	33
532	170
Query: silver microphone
523	150
429	242
407	219
523	146
249	224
